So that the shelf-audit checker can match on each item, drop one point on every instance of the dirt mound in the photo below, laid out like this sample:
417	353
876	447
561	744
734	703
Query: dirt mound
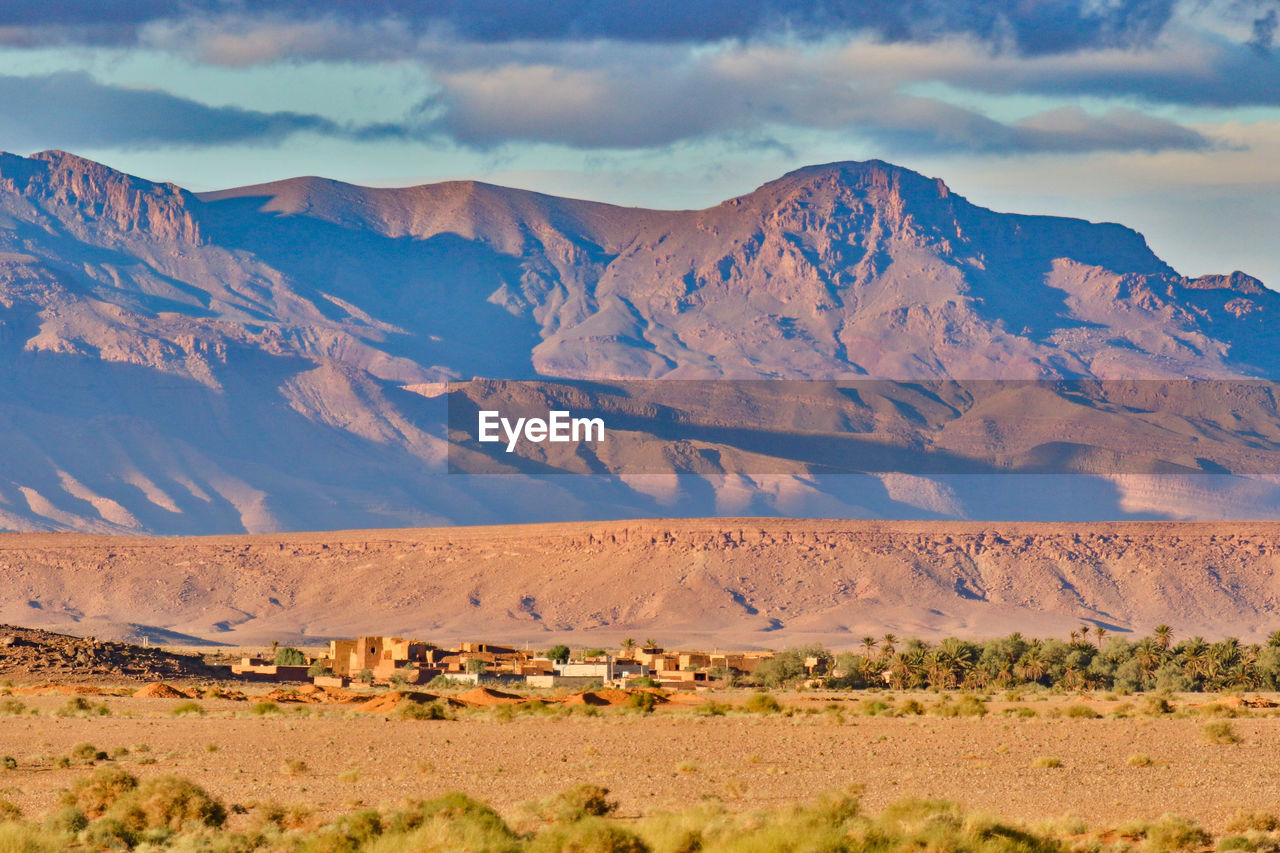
160	690
388	702
32	653
485	697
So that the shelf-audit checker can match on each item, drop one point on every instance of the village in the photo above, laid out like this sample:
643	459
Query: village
396	661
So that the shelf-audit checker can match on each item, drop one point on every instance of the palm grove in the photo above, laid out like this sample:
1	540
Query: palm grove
1090	659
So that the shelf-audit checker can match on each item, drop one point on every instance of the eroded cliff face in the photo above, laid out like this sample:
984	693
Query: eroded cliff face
745	582
267	357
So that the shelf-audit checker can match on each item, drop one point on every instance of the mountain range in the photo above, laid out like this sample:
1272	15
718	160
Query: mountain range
274	357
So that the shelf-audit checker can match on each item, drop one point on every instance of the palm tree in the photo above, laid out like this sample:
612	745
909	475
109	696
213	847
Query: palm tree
887	641
628	646
1273	640
1148	654
868	646
1164	637
1101	634
1195	658
1031	665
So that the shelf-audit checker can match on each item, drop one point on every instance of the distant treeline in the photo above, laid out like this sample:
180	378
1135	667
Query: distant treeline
1091	659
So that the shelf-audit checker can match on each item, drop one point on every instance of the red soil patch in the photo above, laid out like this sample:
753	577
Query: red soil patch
160	690
62	690
388	702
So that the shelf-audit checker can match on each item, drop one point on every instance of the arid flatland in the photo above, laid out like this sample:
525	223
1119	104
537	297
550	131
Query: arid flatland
329	759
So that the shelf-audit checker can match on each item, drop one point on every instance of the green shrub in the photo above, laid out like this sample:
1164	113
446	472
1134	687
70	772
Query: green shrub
452	821
1219	732
289	656
22	838
577	803
762	703
590	835
96	793
86	753
167	802
1244	821
1172	834
9	762
78	706
67	820
968	706
422	711
1155	706
262	709
12	708
1082	712
187	708
644	702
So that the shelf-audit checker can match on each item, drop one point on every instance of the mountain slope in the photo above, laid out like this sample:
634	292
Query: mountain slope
707	582
269	357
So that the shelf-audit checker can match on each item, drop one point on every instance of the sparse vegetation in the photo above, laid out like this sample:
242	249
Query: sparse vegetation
762	703
1219	732
289	656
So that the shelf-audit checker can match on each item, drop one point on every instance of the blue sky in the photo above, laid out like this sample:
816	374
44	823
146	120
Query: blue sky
1161	114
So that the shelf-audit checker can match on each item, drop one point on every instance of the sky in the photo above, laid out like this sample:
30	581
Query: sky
1160	114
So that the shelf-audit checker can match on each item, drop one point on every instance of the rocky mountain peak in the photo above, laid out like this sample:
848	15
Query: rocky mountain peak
78	190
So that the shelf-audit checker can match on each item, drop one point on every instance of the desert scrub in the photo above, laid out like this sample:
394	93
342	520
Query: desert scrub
968	706
417	711
262	709
86	753
1172	834
8	762
23	838
12	707
593	834
294	767
1244	821
644	702
8	811
1081	712
96	793
1047	762
188	709
166	802
1156	706
1219	732
712	709
577	803
1021	712
873	708
1139	759
78	706
762	703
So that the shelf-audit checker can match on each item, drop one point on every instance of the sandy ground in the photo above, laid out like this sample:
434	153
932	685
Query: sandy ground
668	760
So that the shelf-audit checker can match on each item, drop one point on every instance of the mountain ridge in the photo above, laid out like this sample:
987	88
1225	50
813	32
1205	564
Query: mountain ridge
278	344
